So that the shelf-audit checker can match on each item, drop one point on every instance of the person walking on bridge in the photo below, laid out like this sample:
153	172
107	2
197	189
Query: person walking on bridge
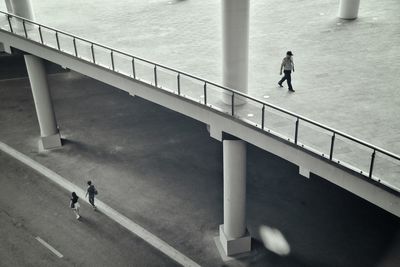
287	66
91	191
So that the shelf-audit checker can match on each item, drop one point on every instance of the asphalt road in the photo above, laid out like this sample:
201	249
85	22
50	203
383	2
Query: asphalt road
32	207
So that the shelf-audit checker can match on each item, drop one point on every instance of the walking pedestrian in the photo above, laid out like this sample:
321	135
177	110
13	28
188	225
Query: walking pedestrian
74	204
91	191
287	66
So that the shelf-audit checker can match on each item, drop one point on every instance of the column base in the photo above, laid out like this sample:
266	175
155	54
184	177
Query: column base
49	142
234	246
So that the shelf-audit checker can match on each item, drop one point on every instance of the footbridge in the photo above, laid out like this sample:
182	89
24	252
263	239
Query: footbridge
357	166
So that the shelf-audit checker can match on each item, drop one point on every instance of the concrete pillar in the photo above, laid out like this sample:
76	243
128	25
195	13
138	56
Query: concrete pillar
234	236
348	9
50	137
9	6
235	31
22	8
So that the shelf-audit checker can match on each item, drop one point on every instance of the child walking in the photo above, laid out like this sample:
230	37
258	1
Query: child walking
74	204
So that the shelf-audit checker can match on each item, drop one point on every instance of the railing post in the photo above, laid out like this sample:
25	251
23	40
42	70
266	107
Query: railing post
40	34
23	24
58	41
296	131
205	93
9	23
233	103
371	167
179	83
93	57
76	50
332	145
155	75
262	117
112	60
133	68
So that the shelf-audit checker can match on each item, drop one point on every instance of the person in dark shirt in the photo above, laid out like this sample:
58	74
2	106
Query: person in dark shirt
91	191
74	204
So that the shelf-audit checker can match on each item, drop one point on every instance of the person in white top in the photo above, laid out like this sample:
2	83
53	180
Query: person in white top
287	66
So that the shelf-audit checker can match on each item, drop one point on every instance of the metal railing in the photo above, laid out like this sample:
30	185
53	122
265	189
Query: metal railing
130	66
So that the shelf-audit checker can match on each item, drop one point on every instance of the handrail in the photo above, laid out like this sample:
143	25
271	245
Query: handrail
233	91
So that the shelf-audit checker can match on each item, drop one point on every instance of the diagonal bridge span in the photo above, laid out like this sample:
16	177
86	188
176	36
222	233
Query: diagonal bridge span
357	166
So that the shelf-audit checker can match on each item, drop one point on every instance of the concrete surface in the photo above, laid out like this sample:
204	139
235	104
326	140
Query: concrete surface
346	71
31	206
102	207
163	171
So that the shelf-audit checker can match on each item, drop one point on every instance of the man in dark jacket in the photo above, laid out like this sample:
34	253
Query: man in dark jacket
91	191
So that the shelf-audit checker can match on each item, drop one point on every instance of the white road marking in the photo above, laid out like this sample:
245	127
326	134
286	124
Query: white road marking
136	229
44	243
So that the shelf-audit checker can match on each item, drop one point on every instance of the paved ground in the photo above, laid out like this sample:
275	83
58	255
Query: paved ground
31	207
163	171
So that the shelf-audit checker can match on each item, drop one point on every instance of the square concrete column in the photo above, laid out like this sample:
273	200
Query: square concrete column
234	237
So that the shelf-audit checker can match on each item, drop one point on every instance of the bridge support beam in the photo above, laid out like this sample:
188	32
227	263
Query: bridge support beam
348	9
9	6
235	31
233	235
22	8
50	136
